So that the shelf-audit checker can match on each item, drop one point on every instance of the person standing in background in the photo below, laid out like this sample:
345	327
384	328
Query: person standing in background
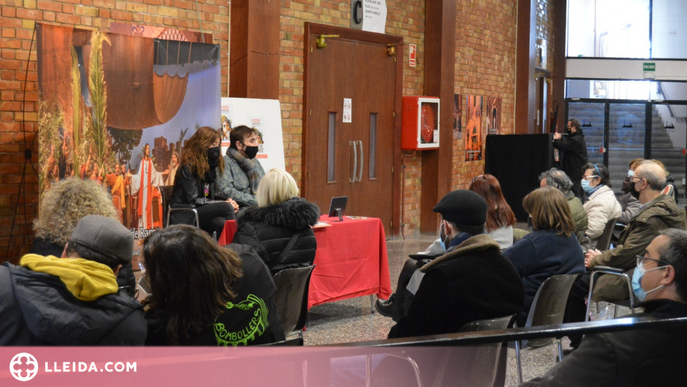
574	155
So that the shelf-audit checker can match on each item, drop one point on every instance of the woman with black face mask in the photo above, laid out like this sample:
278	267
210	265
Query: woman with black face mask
200	159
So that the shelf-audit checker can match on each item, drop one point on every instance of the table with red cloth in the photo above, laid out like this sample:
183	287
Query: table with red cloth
351	259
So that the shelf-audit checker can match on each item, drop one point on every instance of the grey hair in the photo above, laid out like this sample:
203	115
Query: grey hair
653	173
675	253
557	179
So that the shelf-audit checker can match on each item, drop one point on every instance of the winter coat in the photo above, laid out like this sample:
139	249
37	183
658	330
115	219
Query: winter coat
638	357
472	282
601	207
578	213
125	279
574	157
38	309
659	214
250	319
189	187
269	230
234	182
540	255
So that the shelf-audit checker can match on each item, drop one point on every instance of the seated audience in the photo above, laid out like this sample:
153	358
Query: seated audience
559	180
670	189
397	304
658	212
279	228
199	162
472	281
242	171
62	207
601	204
73	300
642	357
500	217
629	205
549	250
204	294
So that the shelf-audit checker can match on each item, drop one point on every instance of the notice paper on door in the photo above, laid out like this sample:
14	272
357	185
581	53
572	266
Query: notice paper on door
347	110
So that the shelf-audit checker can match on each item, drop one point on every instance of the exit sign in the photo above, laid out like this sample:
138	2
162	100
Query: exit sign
649	66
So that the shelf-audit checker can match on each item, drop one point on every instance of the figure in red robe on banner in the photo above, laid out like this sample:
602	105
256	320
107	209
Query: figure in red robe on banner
145	183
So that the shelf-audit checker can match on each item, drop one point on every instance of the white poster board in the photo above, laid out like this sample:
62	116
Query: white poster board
265	116
369	15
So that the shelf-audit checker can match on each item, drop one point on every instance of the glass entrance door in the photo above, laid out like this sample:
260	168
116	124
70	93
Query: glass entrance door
626	124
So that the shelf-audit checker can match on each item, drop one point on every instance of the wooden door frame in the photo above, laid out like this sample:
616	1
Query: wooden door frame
367	37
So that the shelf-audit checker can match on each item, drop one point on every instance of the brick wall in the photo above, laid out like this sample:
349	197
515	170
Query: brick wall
485	65
16	25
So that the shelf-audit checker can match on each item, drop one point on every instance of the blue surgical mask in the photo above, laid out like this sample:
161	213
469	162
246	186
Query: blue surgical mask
586	187
637	282
630	173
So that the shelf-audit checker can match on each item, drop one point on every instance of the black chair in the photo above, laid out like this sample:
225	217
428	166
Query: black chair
192	218
630	302
604	241
292	301
548	308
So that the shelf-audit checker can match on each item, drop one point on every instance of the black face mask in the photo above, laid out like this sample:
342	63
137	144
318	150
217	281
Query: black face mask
251	151
213	157
627	185
634	192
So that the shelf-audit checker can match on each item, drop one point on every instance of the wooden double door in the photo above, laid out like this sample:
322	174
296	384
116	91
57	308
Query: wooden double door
352	123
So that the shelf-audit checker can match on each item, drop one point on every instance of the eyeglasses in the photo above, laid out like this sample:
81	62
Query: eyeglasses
637	179
590	177
641	259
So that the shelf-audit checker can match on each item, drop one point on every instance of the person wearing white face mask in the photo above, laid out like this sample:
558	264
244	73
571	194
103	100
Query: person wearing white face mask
642	357
601	204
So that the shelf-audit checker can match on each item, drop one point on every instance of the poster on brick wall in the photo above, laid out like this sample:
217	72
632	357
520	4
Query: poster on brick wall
492	115
473	129
457	116
117	109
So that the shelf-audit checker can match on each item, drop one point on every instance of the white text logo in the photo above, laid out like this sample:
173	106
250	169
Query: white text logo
23	367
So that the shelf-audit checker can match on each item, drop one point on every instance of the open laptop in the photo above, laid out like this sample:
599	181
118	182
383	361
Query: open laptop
337	206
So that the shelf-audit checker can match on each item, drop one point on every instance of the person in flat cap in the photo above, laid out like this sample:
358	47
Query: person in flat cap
472	281
75	299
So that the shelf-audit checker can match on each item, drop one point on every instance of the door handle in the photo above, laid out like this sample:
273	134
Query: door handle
360	173
355	161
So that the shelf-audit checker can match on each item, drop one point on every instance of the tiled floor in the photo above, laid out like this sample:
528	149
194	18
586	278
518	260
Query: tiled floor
352	320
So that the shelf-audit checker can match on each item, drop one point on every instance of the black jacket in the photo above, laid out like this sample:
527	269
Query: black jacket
574	156
125	279
37	309
270	229
641	357
250	319
189	187
472	282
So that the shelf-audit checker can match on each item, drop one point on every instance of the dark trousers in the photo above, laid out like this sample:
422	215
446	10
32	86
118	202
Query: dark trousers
213	216
577	308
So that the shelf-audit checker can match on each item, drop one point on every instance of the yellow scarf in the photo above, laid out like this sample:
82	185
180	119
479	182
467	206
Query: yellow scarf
86	280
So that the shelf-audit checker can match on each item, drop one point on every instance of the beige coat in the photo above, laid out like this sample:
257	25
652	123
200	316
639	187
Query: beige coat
601	206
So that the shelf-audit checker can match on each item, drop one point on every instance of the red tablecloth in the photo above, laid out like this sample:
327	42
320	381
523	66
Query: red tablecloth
351	259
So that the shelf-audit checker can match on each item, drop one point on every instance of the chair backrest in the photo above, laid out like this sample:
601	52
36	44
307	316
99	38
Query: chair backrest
166	193
550	303
489	325
604	241
292	296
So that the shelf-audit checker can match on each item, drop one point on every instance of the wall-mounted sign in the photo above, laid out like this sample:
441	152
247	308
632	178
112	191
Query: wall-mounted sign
412	55
368	15
347	110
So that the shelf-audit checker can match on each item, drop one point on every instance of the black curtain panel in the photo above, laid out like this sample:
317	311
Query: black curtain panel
516	160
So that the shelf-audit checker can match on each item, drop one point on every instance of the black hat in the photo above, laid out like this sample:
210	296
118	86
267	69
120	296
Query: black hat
106	236
463	207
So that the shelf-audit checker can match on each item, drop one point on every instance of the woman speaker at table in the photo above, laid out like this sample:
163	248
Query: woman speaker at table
279	228
199	162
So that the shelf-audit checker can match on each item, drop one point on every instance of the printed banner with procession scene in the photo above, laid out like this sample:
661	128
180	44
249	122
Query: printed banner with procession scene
473	129
117	109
